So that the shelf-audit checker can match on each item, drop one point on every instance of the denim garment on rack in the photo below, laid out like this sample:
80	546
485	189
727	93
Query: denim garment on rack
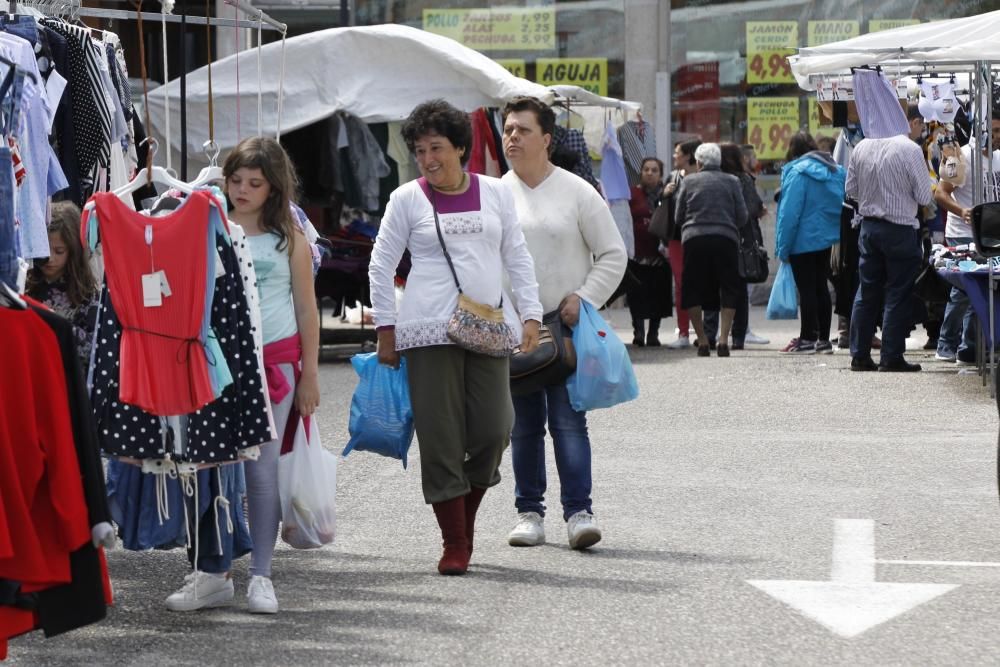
133	504
22	26
8	240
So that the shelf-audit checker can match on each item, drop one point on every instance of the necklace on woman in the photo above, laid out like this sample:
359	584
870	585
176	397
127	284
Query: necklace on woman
461	184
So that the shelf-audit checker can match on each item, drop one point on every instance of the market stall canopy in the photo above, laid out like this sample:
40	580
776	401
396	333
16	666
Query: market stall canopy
948	43
578	95
377	73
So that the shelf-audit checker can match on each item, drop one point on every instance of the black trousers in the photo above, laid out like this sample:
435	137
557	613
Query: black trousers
812	273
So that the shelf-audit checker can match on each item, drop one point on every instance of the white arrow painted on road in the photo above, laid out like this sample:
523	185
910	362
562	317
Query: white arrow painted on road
852	601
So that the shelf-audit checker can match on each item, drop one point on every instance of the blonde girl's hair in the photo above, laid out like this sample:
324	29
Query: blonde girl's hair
268	155
80	284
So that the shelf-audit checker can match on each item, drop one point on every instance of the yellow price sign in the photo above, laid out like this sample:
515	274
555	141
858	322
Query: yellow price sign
588	73
495	29
878	25
516	66
768	45
826	32
771	122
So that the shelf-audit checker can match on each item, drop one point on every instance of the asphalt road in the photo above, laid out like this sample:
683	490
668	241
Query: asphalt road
725	471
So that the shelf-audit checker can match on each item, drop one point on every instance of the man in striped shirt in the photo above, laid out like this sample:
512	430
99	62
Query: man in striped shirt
889	180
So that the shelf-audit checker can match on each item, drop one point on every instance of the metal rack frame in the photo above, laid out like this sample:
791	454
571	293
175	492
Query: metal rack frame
74	8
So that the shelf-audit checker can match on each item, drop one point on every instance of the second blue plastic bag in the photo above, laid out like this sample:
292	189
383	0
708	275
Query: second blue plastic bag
604	375
381	413
784	301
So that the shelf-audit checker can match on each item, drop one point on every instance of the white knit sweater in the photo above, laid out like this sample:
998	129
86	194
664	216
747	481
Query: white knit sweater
572	238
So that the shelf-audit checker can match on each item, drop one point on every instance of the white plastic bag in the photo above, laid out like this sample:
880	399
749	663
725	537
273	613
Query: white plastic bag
307	484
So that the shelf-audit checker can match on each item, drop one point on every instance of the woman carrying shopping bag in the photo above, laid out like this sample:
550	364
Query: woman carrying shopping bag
808	225
462	233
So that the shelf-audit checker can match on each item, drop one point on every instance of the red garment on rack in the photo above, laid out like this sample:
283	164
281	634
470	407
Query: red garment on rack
41	493
164	369
484	156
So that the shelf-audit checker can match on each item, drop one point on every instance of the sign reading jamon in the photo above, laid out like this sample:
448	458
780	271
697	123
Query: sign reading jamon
769	43
588	73
496	29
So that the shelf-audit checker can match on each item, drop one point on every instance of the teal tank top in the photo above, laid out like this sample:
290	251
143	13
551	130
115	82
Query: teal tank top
274	286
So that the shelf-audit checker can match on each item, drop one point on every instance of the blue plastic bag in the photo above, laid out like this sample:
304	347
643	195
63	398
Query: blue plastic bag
784	301
604	375
381	413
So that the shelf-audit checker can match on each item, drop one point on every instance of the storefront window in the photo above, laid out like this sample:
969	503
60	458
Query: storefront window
551	42
731	81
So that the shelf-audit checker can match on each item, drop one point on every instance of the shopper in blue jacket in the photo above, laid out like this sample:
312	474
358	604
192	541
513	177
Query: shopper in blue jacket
812	191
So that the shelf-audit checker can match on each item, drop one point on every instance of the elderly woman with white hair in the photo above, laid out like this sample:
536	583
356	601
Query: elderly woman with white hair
712	215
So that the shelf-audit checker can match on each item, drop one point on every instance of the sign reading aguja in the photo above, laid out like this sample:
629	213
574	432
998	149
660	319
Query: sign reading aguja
768	45
588	73
496	29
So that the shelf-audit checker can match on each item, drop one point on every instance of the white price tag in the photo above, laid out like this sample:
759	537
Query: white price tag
151	294
164	283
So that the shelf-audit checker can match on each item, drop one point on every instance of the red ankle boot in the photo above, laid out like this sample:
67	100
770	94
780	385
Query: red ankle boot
472	500
451	518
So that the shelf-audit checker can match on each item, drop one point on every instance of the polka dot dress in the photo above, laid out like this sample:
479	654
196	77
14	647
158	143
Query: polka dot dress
236	420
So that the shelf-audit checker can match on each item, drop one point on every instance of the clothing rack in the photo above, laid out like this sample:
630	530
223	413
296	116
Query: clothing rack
73	8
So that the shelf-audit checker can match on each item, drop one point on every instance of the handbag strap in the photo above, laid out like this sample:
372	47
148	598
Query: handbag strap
444	248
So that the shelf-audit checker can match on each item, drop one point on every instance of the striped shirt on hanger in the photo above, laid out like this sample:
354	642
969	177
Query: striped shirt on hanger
889	179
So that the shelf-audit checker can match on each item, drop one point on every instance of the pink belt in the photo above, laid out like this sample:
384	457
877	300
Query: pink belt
285	351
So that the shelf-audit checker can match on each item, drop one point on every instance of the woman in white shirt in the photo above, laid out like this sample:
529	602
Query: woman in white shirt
462	408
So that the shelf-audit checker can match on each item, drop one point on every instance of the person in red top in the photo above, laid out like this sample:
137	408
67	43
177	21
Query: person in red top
648	294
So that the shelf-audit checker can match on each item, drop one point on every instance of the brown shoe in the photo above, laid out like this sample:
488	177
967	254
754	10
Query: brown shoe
704	351
722	350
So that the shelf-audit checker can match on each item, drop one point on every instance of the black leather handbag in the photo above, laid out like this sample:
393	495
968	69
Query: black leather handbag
550	363
753	264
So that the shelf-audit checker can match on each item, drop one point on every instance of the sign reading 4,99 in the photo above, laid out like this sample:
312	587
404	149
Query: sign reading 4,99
771	122
768	44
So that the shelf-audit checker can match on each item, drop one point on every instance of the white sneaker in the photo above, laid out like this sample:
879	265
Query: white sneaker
260	596
582	530
682	342
201	590
529	531
753	339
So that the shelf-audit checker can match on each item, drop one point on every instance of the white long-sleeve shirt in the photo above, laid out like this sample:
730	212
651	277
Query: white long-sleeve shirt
571	236
483	244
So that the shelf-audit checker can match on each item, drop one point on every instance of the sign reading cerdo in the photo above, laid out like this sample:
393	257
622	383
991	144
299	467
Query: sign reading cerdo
516	66
825	32
769	43
496	29
771	122
588	73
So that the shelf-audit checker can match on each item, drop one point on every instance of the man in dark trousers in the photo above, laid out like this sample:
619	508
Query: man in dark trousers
888	178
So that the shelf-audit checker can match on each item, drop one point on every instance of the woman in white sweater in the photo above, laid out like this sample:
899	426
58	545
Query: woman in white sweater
461	400
579	254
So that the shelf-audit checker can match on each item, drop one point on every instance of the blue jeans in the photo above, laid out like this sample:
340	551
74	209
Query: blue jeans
889	261
958	332
570	442
8	239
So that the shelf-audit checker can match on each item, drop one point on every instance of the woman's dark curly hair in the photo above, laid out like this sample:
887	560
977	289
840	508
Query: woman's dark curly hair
440	118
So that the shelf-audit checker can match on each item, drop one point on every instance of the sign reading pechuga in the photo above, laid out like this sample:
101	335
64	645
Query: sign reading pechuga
496	29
